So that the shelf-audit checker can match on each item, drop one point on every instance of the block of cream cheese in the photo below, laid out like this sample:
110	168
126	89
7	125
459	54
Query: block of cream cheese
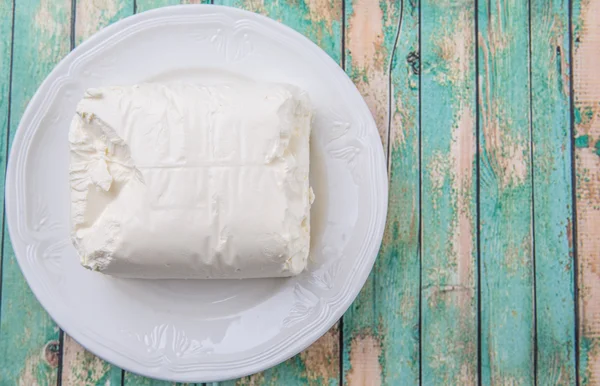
189	181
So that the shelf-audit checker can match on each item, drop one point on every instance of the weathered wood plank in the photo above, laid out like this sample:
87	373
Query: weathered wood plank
586	83
507	309
93	15
320	21
6	24
381	328
553	211
145	5
449	197
80	366
29	347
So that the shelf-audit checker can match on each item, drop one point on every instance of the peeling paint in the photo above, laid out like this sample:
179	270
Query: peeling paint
322	358
582	141
368	55
50	24
34	372
365	369
93	15
257	6
587	100
463	154
324	10
81	367
252	380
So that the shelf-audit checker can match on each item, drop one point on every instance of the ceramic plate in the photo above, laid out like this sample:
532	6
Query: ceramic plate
199	330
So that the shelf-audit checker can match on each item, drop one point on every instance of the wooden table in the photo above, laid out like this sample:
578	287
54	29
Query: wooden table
489	112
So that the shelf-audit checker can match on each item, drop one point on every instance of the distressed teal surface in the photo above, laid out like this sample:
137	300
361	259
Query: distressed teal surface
582	141
418	313
28	337
6	15
553	211
505	223
145	5
381	328
449	196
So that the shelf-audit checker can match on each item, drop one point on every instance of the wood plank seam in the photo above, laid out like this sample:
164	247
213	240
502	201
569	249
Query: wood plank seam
586	38
7	137
420	190
389	76
478	191
532	208
386	309
575	242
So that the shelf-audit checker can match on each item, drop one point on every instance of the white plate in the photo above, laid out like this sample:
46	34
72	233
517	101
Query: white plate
199	330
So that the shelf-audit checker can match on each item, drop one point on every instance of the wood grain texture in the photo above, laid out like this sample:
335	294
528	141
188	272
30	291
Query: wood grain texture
320	21
507	308
381	328
145	5
81	367
449	214
93	15
586	83
29	347
552	180
6	25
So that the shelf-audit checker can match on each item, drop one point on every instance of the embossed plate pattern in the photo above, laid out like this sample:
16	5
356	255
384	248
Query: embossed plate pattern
199	330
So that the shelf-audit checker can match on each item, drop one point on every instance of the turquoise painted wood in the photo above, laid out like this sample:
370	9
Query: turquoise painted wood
474	110
449	194
80	367
505	196
381	328
145	5
91	16
552	192
6	15
29	345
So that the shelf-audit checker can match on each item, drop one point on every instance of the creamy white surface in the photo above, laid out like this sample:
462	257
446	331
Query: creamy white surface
188	181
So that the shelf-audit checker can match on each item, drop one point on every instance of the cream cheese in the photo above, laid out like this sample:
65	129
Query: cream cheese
189	181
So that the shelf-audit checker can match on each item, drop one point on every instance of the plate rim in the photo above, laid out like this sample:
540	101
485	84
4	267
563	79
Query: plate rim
302	341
